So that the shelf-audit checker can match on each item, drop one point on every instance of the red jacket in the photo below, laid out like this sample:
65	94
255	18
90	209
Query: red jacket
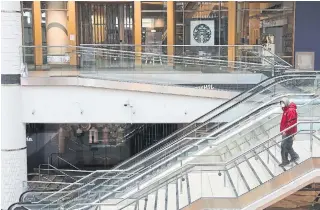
289	118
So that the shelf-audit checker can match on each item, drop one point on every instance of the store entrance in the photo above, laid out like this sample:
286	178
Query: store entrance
105	22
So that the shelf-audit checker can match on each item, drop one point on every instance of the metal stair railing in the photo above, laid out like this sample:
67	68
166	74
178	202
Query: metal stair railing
146	172
224	141
92	58
126	201
162	162
193	51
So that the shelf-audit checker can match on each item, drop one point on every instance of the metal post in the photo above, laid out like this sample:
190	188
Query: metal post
224	179
181	178
48	167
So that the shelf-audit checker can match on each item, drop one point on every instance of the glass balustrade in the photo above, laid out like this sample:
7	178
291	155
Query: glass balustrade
98	61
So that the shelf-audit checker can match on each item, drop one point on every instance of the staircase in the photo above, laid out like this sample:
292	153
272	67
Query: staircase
249	173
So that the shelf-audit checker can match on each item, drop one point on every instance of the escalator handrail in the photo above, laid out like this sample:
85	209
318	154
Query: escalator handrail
204	115
167	159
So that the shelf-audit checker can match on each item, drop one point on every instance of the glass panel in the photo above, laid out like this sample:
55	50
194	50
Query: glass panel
268	24
213	16
105	23
153	5
154	26
90	146
27	33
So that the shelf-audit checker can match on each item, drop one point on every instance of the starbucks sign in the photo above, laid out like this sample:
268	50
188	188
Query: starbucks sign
202	32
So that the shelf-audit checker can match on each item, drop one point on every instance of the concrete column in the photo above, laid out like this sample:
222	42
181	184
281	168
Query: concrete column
57	33
37	33
171	31
137	31
13	131
232	18
254	23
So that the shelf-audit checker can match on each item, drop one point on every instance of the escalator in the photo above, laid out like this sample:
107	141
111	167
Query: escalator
164	154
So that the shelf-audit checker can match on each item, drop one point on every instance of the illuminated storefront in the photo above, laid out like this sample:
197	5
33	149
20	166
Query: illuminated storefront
173	25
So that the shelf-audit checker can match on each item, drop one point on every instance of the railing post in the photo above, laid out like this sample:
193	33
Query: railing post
311	138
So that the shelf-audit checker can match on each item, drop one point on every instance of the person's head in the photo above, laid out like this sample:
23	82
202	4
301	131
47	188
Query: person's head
284	102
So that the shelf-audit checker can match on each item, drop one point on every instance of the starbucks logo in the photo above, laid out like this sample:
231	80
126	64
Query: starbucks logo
202	33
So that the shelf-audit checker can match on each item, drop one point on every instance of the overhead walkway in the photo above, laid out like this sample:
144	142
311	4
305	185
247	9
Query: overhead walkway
124	185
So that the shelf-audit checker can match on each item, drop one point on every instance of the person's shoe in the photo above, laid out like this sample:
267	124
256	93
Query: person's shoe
283	164
295	159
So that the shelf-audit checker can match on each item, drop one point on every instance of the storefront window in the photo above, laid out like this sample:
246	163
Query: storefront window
27	33
202	24
54	29
90	146
256	21
104	23
154	26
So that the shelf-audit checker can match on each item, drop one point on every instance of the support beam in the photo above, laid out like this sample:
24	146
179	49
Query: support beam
171	26
137	31
72	31
232	29
254	23
37	33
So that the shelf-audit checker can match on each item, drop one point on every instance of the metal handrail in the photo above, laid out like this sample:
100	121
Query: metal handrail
187	126
211	111
222	166
171	56
145	172
137	54
49	165
52	182
164	161
79	181
225	46
60	158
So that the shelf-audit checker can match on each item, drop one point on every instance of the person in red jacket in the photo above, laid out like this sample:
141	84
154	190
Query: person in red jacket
288	120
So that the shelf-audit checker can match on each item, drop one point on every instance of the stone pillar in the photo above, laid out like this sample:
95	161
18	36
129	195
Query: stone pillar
13	131
254	23
57	33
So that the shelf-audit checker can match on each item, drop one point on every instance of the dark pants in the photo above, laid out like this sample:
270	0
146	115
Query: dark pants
286	148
